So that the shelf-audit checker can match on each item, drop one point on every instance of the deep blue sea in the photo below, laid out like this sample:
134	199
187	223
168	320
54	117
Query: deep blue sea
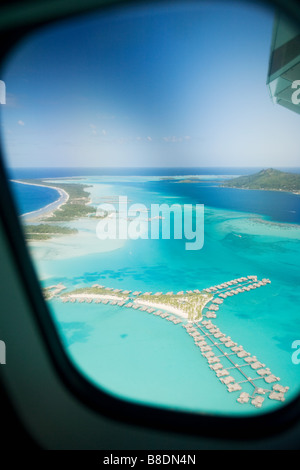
144	358
280	207
32	198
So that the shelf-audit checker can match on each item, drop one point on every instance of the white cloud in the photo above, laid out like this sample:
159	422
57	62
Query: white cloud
94	130
149	139
21	123
174	138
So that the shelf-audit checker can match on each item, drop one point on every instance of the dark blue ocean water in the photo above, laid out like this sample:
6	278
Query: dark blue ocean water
138	357
280	207
19	173
32	198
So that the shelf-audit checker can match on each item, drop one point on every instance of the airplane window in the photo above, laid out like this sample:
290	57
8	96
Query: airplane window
153	154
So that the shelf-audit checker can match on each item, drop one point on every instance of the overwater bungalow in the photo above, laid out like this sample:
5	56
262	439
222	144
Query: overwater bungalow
244	398
213	360
222	373
229	344
243	354
277	396
205	348
218	335
251	359
164	315
211	315
280	388
257	365
217	366
271	378
215	330
257	401
237	348
234	387
207	354
263	372
227	380
224	339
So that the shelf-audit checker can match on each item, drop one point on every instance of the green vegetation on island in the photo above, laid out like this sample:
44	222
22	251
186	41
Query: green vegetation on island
190	303
46	231
269	179
75	207
77	204
96	290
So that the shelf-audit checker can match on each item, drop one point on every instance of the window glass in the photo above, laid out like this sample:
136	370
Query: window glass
154	158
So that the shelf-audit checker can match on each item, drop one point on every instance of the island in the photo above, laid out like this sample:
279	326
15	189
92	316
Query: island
234	367
46	231
185	304
270	179
73	203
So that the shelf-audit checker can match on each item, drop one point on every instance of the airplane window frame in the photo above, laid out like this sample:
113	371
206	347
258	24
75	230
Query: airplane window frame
158	418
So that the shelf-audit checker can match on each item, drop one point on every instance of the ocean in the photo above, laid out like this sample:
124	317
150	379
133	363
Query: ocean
141	357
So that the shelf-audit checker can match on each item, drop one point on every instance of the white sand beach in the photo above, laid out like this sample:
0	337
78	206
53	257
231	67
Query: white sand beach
177	311
48	210
96	296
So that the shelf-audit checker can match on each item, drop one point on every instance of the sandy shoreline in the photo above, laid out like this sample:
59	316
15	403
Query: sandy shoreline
95	296
169	308
46	211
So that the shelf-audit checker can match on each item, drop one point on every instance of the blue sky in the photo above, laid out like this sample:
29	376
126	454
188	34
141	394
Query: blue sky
162	86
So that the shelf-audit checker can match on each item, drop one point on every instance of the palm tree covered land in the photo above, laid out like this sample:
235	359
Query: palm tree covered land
270	179
189	303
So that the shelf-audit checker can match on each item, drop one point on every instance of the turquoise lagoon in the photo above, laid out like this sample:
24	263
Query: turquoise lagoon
139	357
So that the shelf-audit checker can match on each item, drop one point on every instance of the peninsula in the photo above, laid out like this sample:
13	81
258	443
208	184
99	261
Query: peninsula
233	366
270	179
73	203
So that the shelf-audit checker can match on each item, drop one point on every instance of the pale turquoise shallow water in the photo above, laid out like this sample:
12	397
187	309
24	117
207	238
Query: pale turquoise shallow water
141	357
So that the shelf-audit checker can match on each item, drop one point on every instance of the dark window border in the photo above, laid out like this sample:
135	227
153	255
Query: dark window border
189	423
